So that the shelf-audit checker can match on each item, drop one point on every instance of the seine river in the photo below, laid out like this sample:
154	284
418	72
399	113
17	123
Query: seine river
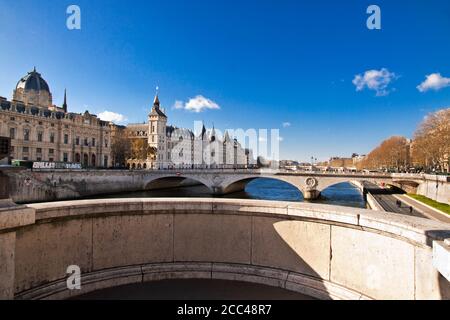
344	194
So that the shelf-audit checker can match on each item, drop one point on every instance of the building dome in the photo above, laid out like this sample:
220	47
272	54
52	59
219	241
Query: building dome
33	81
33	89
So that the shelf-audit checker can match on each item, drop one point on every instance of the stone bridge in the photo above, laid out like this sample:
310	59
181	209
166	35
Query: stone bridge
33	186
322	251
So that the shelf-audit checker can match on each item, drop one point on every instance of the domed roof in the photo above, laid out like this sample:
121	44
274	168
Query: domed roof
33	81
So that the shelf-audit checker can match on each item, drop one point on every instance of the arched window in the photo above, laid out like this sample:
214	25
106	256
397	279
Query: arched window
93	160
85	160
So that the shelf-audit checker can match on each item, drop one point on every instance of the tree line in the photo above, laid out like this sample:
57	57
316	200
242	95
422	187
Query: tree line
428	151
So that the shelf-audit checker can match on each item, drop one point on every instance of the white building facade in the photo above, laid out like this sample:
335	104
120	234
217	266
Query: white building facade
171	147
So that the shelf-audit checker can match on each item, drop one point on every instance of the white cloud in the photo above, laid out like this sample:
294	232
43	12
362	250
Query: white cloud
197	104
377	80
435	82
178	104
286	124
113	117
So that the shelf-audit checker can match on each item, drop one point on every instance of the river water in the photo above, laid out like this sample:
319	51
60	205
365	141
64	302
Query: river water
344	194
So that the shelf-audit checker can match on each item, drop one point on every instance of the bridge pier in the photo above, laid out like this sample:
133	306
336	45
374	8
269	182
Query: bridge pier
311	194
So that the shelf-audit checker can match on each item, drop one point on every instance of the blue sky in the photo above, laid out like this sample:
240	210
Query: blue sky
263	63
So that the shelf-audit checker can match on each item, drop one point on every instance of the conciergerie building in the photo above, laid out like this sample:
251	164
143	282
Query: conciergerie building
42	131
170	147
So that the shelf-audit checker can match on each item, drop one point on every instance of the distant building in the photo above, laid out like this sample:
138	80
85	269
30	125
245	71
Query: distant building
170	147
42	131
356	158
338	162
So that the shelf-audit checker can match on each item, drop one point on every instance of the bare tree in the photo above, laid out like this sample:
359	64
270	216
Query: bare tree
431	147
392	153
120	147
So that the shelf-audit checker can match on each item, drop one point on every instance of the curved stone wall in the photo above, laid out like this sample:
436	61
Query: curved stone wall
319	250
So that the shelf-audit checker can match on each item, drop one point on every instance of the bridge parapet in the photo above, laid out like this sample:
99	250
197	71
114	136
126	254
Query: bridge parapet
43	185
289	245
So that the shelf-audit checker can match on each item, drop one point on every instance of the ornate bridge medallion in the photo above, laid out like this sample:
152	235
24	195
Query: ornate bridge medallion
311	183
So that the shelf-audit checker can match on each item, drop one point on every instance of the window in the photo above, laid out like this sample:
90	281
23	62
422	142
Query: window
26	134
25	149
12	118
86	142
50	159
93	142
12	133
39	136
65	157
153	128
25	158
105	161
66	139
77	141
51	151
106	143
12	148
38	159
52	125
40	123
52	137
38	150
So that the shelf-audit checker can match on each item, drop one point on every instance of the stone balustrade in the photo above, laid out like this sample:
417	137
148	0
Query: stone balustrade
327	252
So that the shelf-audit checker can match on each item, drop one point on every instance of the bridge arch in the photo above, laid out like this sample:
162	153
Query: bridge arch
174	180
408	186
235	184
337	183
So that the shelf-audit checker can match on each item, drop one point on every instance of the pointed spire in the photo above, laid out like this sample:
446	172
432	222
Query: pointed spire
203	130
34	69
213	133
156	100
65	101
227	137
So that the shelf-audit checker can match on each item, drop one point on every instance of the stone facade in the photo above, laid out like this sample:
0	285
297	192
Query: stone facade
41	131
171	147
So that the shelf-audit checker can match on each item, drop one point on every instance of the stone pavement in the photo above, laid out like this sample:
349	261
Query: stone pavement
424	210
